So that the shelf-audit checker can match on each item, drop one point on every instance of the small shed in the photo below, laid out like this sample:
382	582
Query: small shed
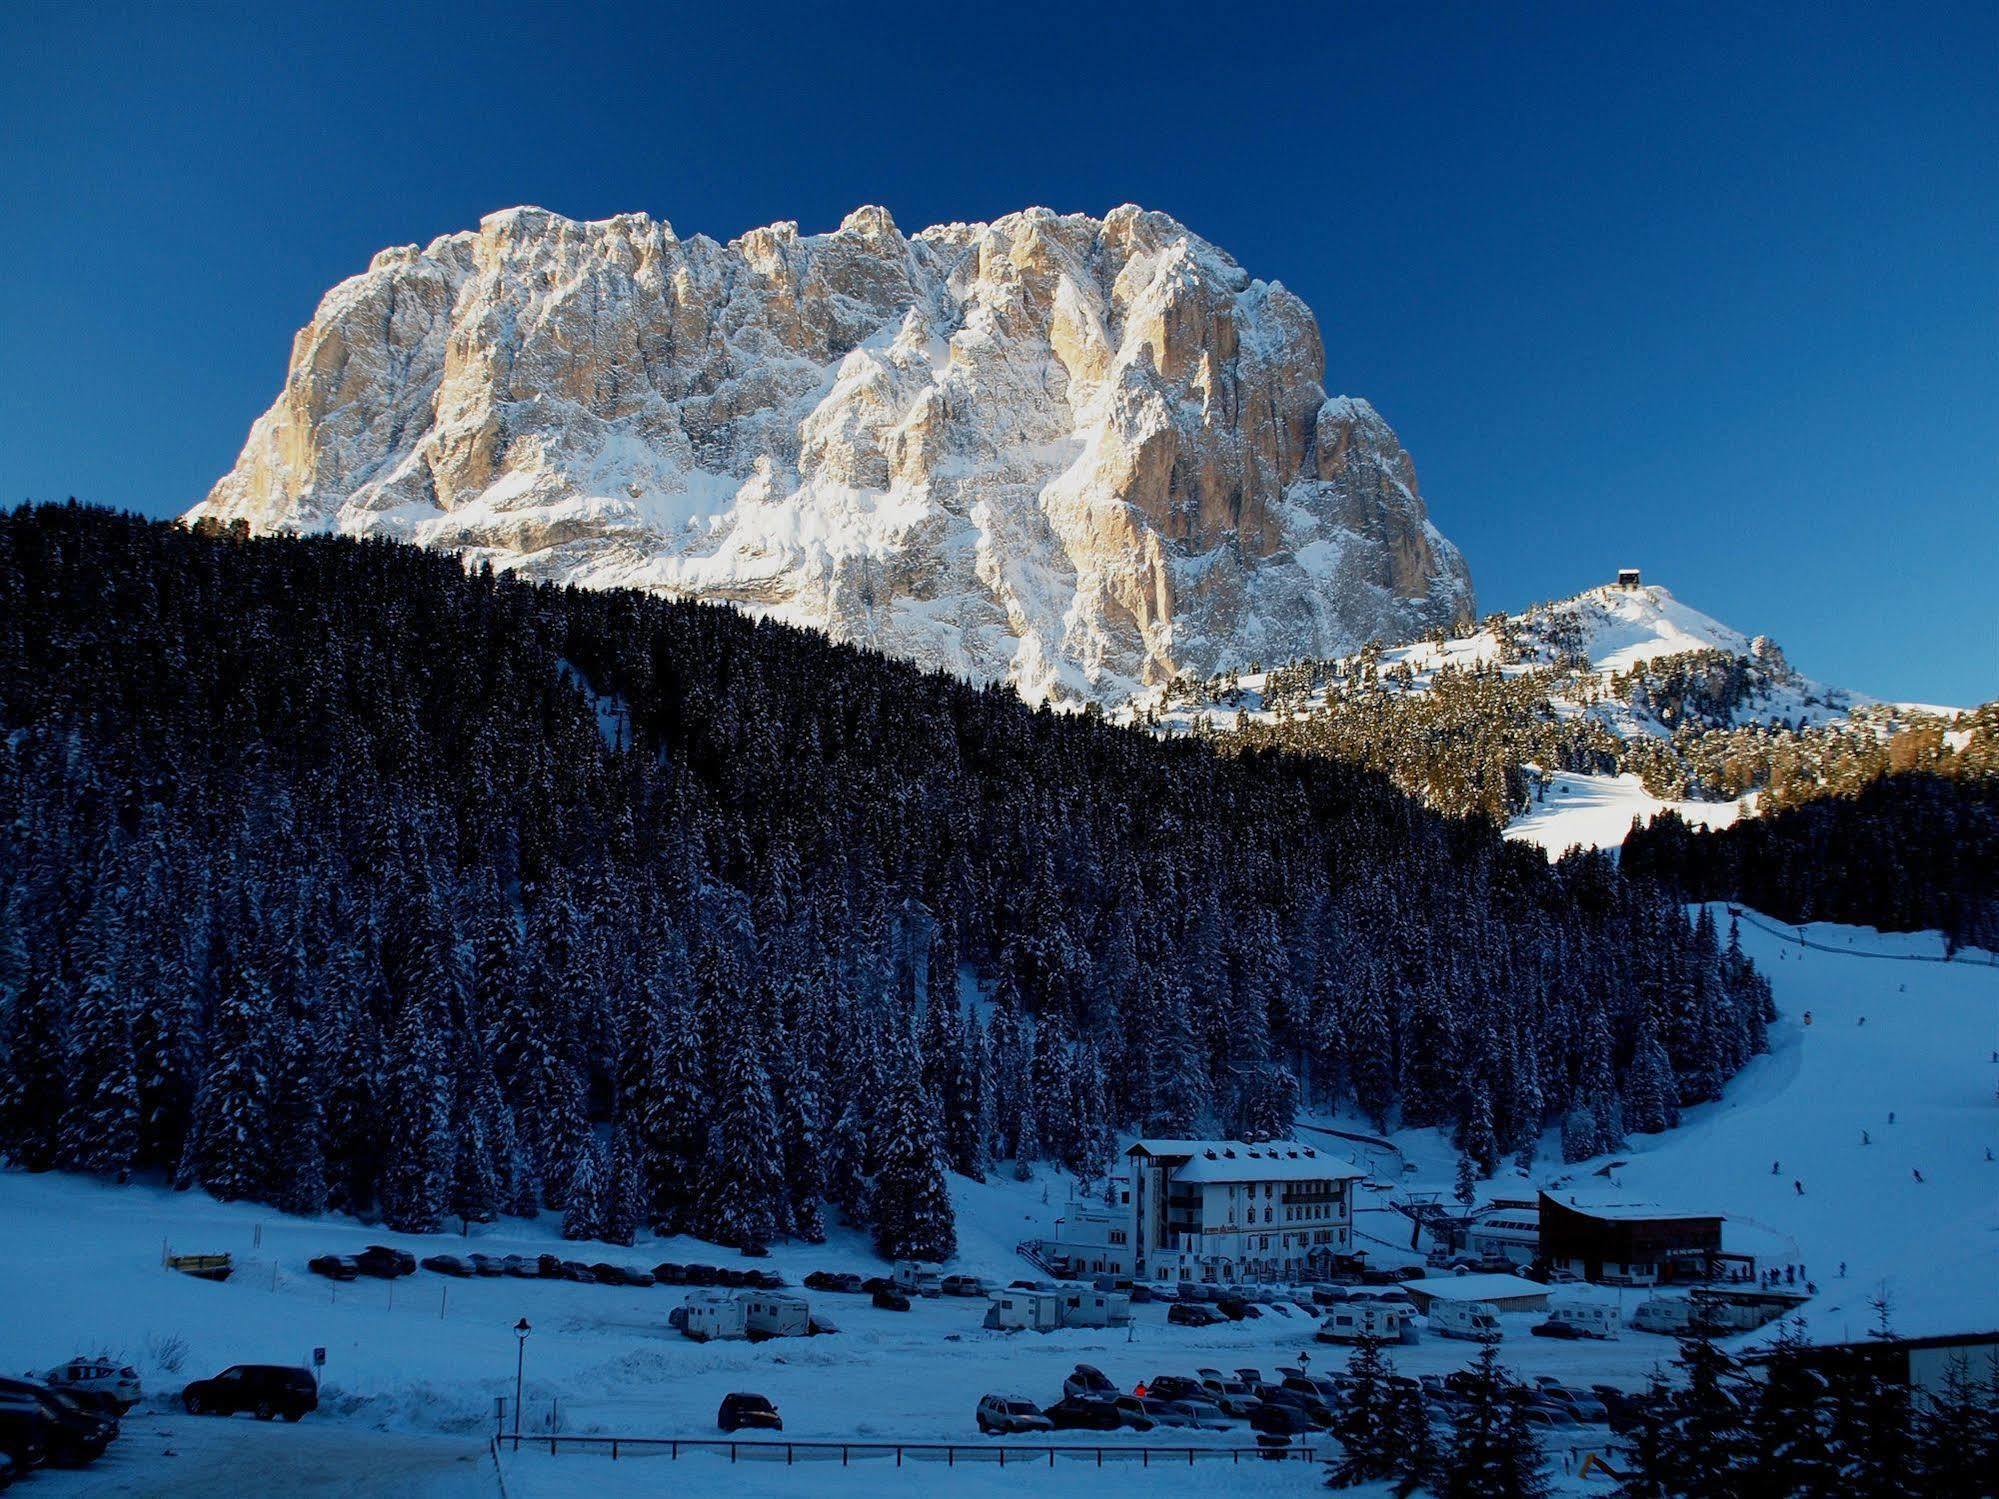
1015	1309
1505	1293
1627	577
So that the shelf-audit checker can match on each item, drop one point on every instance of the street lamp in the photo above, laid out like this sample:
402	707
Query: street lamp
521	1331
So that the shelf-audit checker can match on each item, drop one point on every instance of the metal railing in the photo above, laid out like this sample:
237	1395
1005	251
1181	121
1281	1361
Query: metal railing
1147	1455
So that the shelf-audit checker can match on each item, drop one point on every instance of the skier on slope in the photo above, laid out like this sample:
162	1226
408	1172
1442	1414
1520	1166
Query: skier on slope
1799	1187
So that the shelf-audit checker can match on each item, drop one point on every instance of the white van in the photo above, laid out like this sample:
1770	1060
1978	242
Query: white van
1475	1320
1670	1315
1593	1319
1389	1321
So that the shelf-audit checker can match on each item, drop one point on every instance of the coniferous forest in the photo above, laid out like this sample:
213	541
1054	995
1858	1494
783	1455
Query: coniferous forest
337	875
1905	853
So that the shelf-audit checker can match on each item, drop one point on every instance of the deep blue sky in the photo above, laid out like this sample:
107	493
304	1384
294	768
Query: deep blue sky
1712	291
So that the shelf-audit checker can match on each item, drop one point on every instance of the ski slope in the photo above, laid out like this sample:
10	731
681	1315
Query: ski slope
1597	811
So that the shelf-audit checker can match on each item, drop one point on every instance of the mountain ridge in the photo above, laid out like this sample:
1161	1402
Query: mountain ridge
1075	455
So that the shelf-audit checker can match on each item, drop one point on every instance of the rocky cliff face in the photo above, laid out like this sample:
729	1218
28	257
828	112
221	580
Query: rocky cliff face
1077	455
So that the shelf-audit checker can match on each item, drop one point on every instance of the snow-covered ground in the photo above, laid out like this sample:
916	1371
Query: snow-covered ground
1597	811
413	1368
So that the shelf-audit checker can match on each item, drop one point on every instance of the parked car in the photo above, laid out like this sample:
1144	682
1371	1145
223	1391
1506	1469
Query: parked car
24	1434
1193	1314
334	1267
608	1274
7	1471
577	1271
668	1273
520	1267
1561	1330
386	1263
265	1390
1132	1413
1310	1407
752	1411
876	1283
487	1264
447	1264
1079	1413
1585	1408
1274	1420
1010	1415
1234	1396
1173	1387
732	1277
1088	1382
97	1382
701	1275
889	1299
964	1285
766	1280
76	1437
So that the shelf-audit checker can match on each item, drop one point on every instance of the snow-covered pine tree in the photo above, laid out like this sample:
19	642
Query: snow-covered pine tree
913	1218
416	1120
743	1193
1492	1452
1363	1424
1651	1101
624	1191
583	1207
100	1125
228	1142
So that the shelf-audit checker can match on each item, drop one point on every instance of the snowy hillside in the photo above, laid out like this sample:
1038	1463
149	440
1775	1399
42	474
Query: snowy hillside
412	1369
1617	702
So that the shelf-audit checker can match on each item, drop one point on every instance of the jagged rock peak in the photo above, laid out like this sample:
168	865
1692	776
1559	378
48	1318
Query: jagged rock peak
1078	455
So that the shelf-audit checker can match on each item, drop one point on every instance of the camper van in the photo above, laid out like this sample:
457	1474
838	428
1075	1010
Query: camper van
1475	1320
1591	1319
1019	1309
915	1279
1088	1307
1390	1321
771	1314
1671	1315
710	1318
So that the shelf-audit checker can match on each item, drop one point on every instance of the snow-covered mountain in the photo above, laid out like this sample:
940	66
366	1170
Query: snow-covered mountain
1077	455
1591	651
1571	718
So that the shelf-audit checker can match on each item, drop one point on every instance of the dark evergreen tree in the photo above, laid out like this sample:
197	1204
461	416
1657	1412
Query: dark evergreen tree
1364	1424
1492	1452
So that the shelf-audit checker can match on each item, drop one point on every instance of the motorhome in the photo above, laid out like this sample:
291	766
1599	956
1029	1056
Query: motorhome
1018	1309
913	1278
711	1318
1390	1321
1592	1319
1474	1320
1670	1315
771	1314
1082	1306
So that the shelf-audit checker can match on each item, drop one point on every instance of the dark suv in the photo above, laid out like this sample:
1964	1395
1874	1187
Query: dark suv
266	1390
76	1435
24	1434
754	1411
